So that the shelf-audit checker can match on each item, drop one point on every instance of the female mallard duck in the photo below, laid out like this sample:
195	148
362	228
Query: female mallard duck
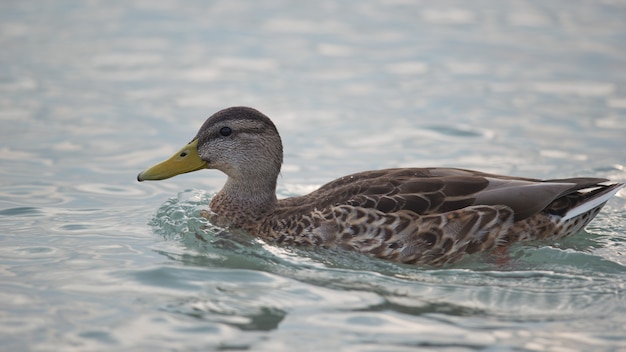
415	215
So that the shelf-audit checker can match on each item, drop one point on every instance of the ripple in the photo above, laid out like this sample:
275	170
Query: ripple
179	217
175	278
123	59
560	154
179	220
618	103
34	194
110	190
37	250
449	16
459	131
590	89
21	211
407	68
25	253
75	227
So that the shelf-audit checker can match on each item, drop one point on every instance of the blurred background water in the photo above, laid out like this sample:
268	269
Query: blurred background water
92	92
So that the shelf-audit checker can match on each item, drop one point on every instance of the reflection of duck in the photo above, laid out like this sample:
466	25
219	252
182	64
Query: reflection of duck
425	216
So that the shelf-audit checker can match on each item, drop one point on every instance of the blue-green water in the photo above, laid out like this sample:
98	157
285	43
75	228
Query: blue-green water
93	92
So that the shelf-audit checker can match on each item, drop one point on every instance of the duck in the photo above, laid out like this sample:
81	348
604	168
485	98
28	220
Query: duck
426	216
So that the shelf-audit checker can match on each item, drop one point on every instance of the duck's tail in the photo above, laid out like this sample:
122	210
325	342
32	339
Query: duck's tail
591	201
571	213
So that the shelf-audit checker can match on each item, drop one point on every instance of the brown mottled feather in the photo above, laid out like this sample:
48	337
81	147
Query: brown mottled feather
413	215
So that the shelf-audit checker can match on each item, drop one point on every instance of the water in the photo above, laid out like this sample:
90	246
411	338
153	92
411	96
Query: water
93	92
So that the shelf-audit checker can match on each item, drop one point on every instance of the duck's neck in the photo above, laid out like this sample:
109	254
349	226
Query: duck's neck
243	202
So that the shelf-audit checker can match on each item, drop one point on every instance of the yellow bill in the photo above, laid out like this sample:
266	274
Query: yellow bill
183	161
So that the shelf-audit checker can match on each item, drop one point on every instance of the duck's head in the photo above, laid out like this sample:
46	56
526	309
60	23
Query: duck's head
239	141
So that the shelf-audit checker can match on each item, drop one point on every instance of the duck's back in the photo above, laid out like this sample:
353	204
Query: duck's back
436	190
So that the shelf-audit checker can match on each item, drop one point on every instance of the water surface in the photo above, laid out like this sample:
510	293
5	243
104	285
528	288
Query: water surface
93	92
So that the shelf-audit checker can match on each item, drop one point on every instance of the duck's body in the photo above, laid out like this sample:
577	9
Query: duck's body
413	215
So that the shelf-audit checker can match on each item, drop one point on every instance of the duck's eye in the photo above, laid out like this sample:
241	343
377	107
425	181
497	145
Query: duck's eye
183	154
226	131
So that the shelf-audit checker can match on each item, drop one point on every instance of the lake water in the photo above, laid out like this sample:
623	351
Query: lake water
92	92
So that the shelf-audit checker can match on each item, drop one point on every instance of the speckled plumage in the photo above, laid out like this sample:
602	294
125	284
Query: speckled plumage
413	215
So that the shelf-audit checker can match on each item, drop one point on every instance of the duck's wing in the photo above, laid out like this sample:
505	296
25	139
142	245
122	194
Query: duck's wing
427	191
